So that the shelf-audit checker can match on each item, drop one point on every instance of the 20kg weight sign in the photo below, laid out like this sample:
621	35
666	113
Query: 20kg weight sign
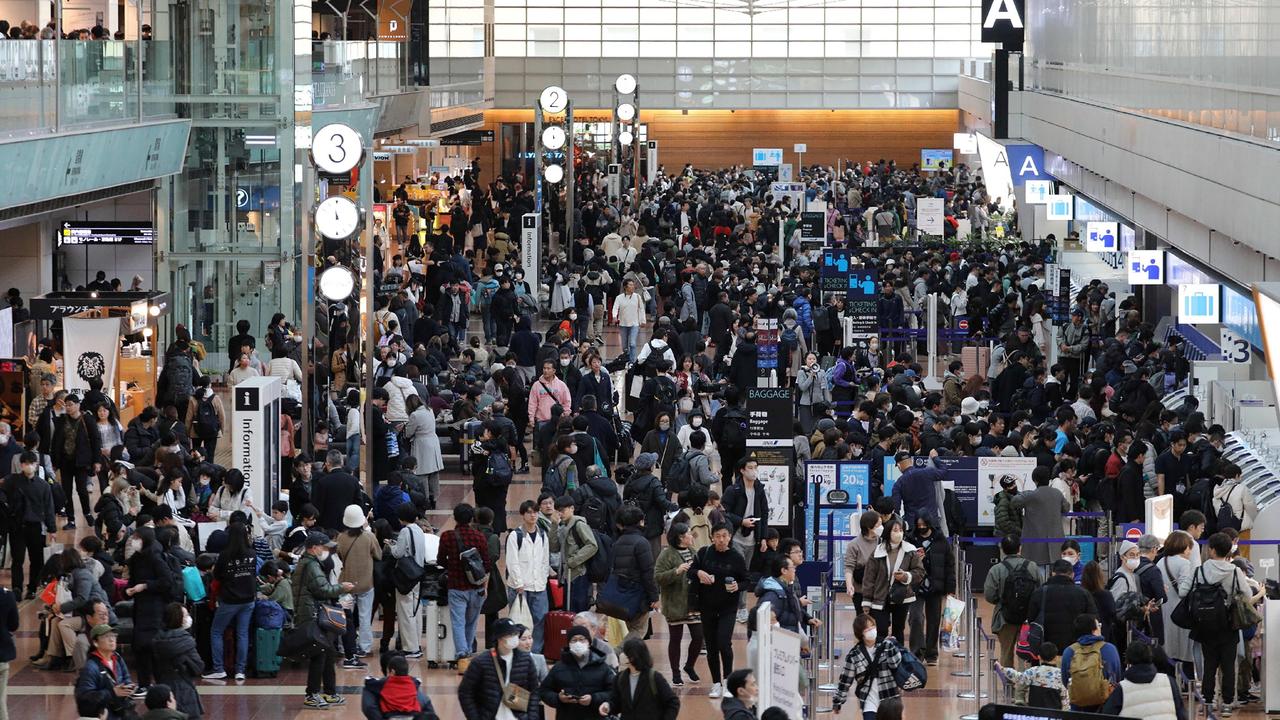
1235	349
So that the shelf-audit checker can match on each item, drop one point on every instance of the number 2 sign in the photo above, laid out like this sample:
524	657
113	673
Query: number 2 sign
1235	349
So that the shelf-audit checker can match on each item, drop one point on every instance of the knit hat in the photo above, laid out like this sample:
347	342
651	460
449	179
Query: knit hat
577	631
1126	546
353	517
646	461
969	406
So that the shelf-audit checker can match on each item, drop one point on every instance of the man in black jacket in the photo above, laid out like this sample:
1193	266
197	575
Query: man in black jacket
74	450
600	427
31	507
645	492
746	507
333	491
142	437
633	565
580	681
1061	601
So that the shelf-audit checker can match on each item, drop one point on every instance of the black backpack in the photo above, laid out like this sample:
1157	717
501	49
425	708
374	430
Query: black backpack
734	432
1226	517
679	477
180	374
497	472
176	591
1208	606
592	508
1015	595
600	565
664	391
207	424
1200	497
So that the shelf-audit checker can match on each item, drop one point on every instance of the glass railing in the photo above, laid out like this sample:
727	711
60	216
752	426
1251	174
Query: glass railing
462	93
344	72
47	85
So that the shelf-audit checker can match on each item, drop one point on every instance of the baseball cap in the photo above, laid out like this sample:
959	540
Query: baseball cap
100	630
901	455
319	538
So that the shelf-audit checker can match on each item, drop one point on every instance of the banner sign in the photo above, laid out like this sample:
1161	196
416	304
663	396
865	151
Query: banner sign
92	346
837	493
834	271
862	300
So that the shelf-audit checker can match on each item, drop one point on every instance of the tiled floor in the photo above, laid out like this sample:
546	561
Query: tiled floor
38	694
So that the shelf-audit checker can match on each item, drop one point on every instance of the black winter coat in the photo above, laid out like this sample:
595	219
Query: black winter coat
939	565
654	699
644	491
88	444
178	665
480	692
594	678
1063	601
734	504
633	560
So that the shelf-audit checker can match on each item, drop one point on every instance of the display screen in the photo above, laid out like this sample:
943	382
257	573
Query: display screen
106	233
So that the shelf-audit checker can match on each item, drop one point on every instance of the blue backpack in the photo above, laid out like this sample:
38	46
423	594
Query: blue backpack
193	584
268	615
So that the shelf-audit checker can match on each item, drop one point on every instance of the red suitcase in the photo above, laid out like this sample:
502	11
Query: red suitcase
555	633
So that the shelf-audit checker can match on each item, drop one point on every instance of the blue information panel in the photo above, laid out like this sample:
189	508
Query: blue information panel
836	511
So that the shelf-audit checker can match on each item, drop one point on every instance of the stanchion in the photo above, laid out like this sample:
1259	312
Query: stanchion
977	695
821	655
975	652
970	620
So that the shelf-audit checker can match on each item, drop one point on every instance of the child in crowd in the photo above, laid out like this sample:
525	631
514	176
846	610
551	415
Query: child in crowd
1041	683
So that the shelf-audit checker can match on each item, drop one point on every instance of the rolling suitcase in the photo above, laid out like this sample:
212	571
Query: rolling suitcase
437	638
555	633
266	643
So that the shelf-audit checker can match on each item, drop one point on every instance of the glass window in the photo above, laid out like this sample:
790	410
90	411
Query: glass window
615	33
657	32
695	32
546	15
582	32
915	32
879	32
503	48
582	49
695	49
806	49
613	48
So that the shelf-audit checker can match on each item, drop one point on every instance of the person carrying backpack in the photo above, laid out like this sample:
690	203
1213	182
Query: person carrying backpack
1233	503
1145	691
1090	666
1009	587
205	418
464	552
574	542
1211	590
644	491
177	381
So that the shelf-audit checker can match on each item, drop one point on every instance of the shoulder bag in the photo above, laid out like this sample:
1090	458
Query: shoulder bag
514	697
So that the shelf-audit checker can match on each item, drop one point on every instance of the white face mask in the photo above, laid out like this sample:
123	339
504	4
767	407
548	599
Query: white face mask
564	362
895	537
186	622
696	422
510	643
878	530
135	545
664	426
1071	559
1132	563
324	555
869	635
579	649
1235	547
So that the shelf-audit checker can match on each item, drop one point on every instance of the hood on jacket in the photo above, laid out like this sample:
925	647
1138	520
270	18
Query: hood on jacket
882	549
1090	639
95	567
1216	570
1143	673
768	584
1227	489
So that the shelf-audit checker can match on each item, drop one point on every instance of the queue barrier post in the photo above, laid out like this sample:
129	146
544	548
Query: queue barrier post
971	612
822	649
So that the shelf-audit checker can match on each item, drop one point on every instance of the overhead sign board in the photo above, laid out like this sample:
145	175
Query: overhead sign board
766	156
102	232
1038	191
1235	349
965	143
1026	162
1146	267
1199	303
469	137
1059	207
1101	237
1003	21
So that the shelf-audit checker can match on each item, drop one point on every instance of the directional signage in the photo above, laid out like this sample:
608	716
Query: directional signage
103	232
766	156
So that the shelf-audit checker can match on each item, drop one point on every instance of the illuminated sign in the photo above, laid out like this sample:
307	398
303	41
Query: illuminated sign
102	232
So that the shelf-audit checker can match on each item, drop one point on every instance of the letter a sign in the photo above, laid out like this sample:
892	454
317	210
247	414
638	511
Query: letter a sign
1002	21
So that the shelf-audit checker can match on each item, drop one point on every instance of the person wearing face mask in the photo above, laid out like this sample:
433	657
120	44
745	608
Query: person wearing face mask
811	380
178	662
580	681
868	668
311	587
150	582
1138	575
746	505
566	370
29	532
939	564
858	554
891	578
68	618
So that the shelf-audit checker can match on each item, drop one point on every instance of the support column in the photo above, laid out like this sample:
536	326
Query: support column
1000	96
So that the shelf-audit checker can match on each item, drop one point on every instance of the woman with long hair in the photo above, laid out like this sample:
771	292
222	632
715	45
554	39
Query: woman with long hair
236	572
889	582
671	573
663	441
68	618
231	497
1095	582
1176	560
640	692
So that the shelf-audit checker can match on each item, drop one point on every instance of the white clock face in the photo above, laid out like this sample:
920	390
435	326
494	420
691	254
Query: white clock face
625	137
337	218
625	84
336	283
553	173
336	148
626	112
554	100
553	137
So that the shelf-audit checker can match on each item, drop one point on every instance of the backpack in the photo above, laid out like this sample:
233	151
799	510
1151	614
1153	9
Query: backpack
555	482
177	581
650	366
910	673
700	527
268	615
789	336
600	565
193	584
679	477
1225	517
734	433
180	376
592	508
207	424
821	320
664	391
497	473
1015	595
1207	607
1088	687
1130	604
1200	497
472	564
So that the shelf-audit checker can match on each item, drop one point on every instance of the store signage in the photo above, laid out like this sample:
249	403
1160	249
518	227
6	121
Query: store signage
766	156
398	150
1199	303
393	20
934	160
929	213
103	232
1038	191
470	137
381	156
1059	207
1146	267
1002	21
422	142
966	143
1101	236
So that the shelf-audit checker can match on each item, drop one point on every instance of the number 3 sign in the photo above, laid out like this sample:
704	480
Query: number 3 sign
1235	349
336	149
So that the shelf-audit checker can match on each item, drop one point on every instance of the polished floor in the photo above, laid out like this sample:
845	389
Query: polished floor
40	694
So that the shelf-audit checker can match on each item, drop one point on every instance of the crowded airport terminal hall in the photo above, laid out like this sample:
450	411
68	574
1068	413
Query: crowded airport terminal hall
639	359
